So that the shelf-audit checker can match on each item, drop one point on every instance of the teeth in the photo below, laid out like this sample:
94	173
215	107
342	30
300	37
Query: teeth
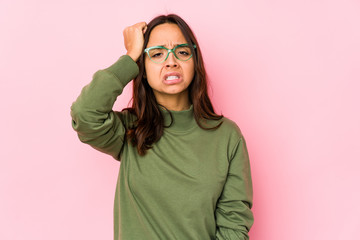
172	77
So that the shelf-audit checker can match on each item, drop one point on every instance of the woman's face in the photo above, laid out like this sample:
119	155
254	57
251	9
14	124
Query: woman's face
169	35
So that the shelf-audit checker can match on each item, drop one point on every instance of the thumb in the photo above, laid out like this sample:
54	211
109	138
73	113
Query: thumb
144	29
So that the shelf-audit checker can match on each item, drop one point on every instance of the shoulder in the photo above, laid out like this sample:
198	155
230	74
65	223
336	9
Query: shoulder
227	135
236	141
228	127
228	132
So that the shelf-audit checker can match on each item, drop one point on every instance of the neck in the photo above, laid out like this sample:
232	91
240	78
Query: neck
177	102
179	121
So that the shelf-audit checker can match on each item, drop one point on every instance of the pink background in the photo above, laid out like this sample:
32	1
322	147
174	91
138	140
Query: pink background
286	71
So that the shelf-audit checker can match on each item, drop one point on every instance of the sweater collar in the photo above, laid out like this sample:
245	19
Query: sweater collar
182	120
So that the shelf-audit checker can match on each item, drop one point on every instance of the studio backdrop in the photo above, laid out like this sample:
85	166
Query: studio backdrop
287	72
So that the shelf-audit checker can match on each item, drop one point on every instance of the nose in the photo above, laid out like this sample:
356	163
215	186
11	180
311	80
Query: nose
171	61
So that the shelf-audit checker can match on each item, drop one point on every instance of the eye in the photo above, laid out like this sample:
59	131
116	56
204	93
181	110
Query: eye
184	53
156	55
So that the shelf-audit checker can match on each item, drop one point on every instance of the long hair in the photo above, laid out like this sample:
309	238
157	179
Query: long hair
149	126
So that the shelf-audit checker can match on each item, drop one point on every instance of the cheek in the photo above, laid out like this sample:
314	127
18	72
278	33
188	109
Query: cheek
146	67
152	74
149	69
190	72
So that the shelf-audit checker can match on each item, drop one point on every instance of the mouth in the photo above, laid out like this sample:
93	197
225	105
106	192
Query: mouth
172	78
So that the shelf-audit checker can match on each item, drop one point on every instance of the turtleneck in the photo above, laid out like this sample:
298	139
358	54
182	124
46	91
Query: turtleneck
182	120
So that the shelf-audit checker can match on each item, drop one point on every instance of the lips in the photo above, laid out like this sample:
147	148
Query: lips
172	74
172	81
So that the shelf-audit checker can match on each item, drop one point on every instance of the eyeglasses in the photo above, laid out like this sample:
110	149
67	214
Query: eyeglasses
159	54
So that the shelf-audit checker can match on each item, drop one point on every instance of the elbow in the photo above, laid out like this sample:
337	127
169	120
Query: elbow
78	116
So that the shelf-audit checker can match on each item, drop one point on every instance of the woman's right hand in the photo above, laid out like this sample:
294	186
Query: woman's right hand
134	39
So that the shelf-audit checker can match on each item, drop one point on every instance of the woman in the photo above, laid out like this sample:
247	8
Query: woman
184	172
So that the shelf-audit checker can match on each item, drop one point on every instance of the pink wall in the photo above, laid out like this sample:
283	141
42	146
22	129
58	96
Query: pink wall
287	72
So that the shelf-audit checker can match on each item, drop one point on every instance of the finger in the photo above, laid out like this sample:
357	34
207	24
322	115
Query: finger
140	25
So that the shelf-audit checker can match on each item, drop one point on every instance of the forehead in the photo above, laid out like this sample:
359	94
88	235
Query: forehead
167	34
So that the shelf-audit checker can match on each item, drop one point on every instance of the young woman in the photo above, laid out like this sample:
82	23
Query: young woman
184	172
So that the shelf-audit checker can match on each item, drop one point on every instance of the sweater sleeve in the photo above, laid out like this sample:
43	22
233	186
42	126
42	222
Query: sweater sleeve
234	217
92	116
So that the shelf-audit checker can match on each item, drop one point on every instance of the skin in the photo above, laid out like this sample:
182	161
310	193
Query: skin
172	96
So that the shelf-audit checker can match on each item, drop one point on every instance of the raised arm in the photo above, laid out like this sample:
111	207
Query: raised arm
92	116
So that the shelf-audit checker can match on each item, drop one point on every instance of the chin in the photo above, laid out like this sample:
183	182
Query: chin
173	90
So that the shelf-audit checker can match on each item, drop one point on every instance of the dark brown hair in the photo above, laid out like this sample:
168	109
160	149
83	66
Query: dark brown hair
149	126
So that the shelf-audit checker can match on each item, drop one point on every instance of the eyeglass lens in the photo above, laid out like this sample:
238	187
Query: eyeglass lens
183	53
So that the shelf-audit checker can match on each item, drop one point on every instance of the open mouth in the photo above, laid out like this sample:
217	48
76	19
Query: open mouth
172	78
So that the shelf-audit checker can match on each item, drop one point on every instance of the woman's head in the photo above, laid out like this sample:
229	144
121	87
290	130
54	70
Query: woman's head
160	64
150	84
169	30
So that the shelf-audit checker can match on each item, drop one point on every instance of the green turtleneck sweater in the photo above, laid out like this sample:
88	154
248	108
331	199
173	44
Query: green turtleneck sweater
194	184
